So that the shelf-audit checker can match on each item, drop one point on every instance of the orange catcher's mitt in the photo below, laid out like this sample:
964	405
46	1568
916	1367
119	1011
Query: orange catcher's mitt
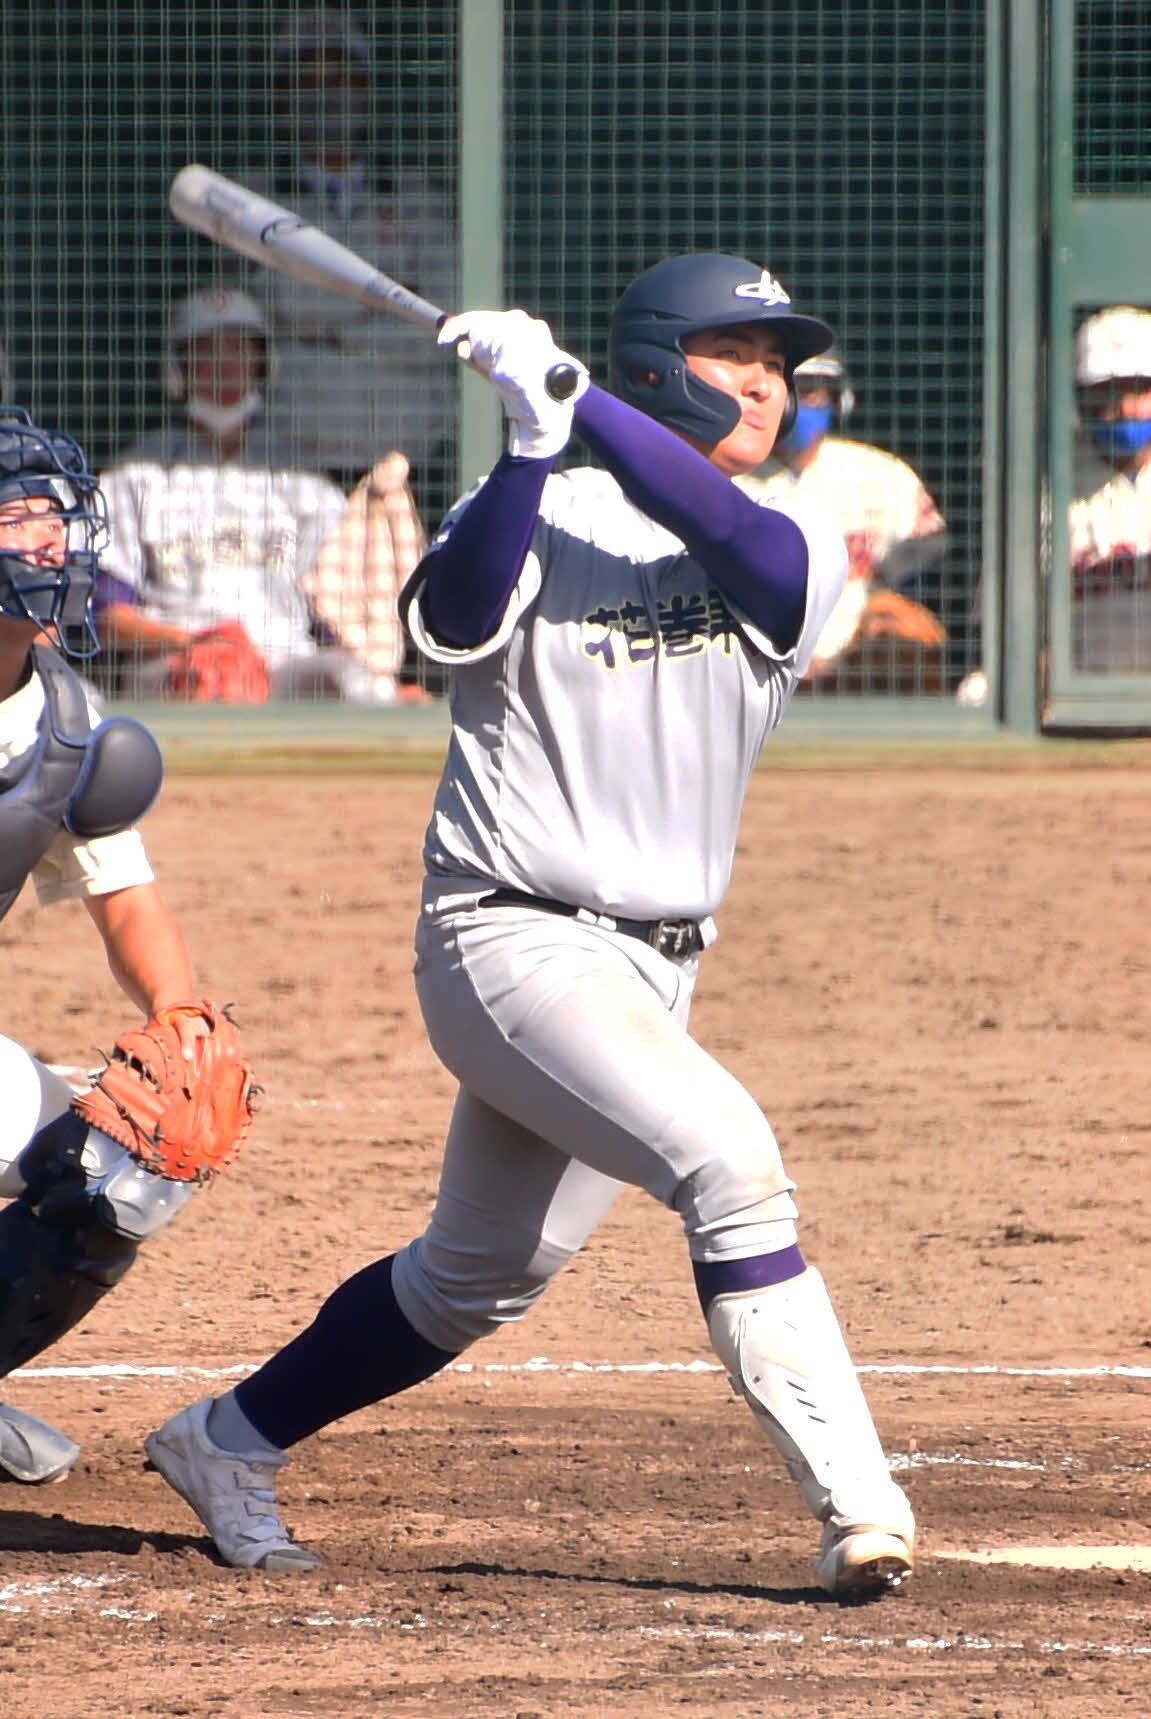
184	1117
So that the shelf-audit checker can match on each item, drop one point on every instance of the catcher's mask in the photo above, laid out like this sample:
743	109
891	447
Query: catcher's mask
53	590
684	295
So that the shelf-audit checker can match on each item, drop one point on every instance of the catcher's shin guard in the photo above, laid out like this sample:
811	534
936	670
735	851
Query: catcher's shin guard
784	1351
73	1233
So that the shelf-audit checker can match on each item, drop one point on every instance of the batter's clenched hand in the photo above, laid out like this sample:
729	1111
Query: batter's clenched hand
515	352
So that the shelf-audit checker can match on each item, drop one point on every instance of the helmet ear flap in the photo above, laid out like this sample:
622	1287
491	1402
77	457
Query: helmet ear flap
789	411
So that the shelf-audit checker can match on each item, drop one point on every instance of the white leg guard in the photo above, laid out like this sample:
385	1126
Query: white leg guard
786	1356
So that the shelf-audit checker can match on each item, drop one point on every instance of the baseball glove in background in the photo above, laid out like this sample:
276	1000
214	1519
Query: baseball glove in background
221	665
183	1117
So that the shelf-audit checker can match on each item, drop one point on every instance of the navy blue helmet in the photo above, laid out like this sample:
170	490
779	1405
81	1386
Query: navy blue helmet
56	593
683	295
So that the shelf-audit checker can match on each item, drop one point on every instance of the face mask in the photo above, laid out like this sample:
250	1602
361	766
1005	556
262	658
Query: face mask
811	422
1119	438
218	420
333	117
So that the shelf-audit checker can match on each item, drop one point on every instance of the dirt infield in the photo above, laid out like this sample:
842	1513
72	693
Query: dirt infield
935	980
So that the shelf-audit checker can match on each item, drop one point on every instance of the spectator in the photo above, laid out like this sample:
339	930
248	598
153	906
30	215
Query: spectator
1110	519
230	574
353	384
893	530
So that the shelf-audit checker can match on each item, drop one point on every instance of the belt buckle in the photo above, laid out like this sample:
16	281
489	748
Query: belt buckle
674	938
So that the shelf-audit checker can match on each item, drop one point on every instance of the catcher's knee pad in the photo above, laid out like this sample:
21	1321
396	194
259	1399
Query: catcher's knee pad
70	1158
57	1254
73	1233
33	1095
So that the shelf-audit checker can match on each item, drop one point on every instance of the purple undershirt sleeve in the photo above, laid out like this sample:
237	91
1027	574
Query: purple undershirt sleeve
108	590
757	555
470	576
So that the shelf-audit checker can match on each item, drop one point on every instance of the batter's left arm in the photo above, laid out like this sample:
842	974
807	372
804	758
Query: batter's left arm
757	555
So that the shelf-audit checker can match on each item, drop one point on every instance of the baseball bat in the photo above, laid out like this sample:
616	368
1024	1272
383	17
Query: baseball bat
245	222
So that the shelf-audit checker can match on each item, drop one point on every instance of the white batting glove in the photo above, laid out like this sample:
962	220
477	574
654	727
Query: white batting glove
515	352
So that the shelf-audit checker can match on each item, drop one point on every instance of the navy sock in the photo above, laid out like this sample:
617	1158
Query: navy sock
732	1276
358	1350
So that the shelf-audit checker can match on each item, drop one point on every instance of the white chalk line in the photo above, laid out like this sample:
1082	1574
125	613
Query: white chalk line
69	1595
542	1364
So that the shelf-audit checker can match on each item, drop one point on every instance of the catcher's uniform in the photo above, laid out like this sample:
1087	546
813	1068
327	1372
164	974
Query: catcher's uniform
1110	547
70	868
352	384
875	500
90	1176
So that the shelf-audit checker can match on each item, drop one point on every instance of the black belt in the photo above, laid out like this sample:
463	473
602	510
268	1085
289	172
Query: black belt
675	938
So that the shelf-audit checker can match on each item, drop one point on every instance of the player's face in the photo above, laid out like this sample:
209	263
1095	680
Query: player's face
746	362
225	367
33	526
1126	397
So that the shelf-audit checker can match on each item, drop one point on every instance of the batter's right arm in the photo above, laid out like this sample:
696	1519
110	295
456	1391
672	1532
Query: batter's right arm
469	574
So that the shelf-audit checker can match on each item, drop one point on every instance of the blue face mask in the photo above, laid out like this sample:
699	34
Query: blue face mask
811	422
1119	438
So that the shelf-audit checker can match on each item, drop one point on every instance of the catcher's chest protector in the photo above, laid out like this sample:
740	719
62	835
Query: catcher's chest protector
93	784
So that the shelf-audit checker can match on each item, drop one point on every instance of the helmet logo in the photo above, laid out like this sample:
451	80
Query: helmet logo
766	289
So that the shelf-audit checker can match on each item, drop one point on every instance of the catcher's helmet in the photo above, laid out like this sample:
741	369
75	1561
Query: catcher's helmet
683	295
45	463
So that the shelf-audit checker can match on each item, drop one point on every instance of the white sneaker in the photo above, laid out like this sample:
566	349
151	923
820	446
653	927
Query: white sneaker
32	1451
859	1562
233	1495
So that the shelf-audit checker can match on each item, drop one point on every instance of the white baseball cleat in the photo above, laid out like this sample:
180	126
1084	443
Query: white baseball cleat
31	1450
858	1563
233	1495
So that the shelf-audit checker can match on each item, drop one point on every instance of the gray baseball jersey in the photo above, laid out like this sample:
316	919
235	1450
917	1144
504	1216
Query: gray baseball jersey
614	636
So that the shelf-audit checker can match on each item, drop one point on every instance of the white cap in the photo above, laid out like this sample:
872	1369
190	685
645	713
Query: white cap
1113	343
206	312
213	308
315	27
824	367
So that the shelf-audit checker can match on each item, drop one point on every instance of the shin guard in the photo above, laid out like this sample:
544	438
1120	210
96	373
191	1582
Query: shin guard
73	1232
785	1354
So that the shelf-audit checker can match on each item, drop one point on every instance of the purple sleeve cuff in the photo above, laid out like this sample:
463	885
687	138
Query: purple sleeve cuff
109	590
470	576
757	555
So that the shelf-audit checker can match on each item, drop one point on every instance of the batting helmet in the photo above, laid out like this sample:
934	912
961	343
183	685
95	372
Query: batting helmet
683	295
58	595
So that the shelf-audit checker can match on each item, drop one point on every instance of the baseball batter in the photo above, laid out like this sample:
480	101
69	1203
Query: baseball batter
71	790
624	637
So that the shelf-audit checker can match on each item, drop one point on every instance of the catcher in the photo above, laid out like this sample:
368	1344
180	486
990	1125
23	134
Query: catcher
88	1177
